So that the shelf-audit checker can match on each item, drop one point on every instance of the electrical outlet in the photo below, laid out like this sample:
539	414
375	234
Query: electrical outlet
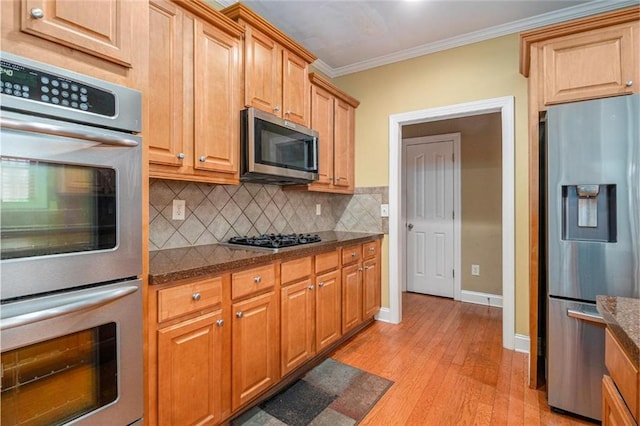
318	209
384	210
178	210
475	270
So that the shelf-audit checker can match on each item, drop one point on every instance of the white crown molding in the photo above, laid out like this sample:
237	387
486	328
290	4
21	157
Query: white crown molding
574	12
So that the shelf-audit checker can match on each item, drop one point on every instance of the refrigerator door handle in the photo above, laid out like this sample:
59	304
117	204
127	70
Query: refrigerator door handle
592	318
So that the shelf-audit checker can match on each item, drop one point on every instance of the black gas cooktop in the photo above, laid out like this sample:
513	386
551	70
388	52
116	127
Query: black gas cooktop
274	242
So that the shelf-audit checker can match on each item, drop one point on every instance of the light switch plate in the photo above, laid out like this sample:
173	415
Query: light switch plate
318	209
384	210
178	210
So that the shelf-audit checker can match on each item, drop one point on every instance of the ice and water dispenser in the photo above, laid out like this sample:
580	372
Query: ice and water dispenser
589	212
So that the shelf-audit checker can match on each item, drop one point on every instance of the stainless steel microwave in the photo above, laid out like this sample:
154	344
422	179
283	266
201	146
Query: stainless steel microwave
277	151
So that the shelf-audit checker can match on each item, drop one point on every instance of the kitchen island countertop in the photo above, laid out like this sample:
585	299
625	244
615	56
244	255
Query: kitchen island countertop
622	315
191	262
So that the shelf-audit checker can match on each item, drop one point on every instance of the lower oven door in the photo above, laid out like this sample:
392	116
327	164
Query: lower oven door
73	358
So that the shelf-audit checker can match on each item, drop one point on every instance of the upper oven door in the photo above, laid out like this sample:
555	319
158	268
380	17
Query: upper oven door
70	205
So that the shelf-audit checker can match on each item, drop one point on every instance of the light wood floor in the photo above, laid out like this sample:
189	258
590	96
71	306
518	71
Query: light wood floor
449	368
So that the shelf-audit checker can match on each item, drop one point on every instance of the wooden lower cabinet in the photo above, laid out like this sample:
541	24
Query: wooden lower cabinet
328	309
190	371
351	296
614	410
297	322
370	288
254	347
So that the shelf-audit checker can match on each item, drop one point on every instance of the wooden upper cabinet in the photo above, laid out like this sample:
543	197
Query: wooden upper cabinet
275	68
195	96
322	121
343	145
101	28
591	58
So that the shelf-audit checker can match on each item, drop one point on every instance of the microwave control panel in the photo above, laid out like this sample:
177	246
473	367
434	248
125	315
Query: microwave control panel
35	85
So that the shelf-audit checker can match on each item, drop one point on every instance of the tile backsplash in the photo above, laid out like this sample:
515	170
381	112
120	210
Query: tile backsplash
215	213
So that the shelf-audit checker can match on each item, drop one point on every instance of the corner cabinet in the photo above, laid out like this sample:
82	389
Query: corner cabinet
275	67
100	28
194	100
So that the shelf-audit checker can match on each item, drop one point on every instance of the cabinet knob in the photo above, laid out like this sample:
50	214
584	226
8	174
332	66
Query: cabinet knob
337	178
37	13
368	267
629	83
288	112
257	279
372	249
321	284
276	108
220	323
354	254
310	287
181	156
239	314
196	296
202	159
359	269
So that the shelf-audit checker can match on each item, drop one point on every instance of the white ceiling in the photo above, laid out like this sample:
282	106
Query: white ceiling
353	35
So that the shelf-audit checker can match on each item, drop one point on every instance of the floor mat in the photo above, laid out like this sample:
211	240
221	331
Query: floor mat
332	394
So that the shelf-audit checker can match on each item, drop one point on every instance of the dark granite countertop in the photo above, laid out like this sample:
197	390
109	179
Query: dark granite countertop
622	315
190	262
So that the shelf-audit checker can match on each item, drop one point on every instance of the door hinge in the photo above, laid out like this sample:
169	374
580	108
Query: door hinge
453	215
453	158
453	273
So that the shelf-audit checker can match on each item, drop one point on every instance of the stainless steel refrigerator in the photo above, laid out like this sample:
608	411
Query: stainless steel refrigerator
593	238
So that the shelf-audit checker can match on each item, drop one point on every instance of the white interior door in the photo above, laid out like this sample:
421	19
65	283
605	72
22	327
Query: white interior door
430	216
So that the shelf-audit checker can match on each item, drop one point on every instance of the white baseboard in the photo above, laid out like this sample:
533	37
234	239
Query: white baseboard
478	298
384	315
522	343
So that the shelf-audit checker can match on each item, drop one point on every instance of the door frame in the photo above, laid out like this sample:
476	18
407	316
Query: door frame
457	189
503	105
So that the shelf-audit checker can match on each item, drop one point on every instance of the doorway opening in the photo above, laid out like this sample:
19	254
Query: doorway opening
397	240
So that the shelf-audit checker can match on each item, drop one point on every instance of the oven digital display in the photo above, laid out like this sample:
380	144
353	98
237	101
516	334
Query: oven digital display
27	83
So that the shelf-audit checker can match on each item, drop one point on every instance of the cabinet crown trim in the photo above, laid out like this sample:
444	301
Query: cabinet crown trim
240	12
322	82
212	16
528	38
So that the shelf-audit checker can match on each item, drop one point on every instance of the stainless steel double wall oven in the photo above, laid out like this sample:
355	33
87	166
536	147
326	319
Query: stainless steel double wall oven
70	200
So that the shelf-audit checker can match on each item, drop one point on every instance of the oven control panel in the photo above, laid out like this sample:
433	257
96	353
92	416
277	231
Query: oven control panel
29	83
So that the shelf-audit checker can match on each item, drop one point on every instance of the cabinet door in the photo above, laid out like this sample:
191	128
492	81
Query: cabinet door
190	371
164	134
263	79
328	309
322	121
614	410
297	318
255	347
371	288
101	28
216	110
343	145
295	88
593	64
351	297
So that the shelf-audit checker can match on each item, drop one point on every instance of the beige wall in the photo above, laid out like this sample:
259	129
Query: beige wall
480	71
481	195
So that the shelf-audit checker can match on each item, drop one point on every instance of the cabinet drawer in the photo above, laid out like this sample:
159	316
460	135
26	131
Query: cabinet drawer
370	249
295	270
326	261
252	281
180	300
351	254
622	371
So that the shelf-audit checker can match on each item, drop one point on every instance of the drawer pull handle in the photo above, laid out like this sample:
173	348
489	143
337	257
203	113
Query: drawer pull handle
220	323
595	319
310	287
196	296
257	279
321	284
239	314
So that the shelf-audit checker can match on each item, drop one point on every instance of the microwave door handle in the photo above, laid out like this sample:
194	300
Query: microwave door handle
52	129
86	303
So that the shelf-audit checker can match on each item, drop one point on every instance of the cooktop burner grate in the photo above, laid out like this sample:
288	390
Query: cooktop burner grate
275	241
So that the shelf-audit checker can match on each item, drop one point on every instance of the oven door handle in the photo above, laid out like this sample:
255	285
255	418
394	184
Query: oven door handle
76	133
86	303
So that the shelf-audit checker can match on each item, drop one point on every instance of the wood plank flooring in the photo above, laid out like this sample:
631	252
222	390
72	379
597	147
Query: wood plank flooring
449	368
